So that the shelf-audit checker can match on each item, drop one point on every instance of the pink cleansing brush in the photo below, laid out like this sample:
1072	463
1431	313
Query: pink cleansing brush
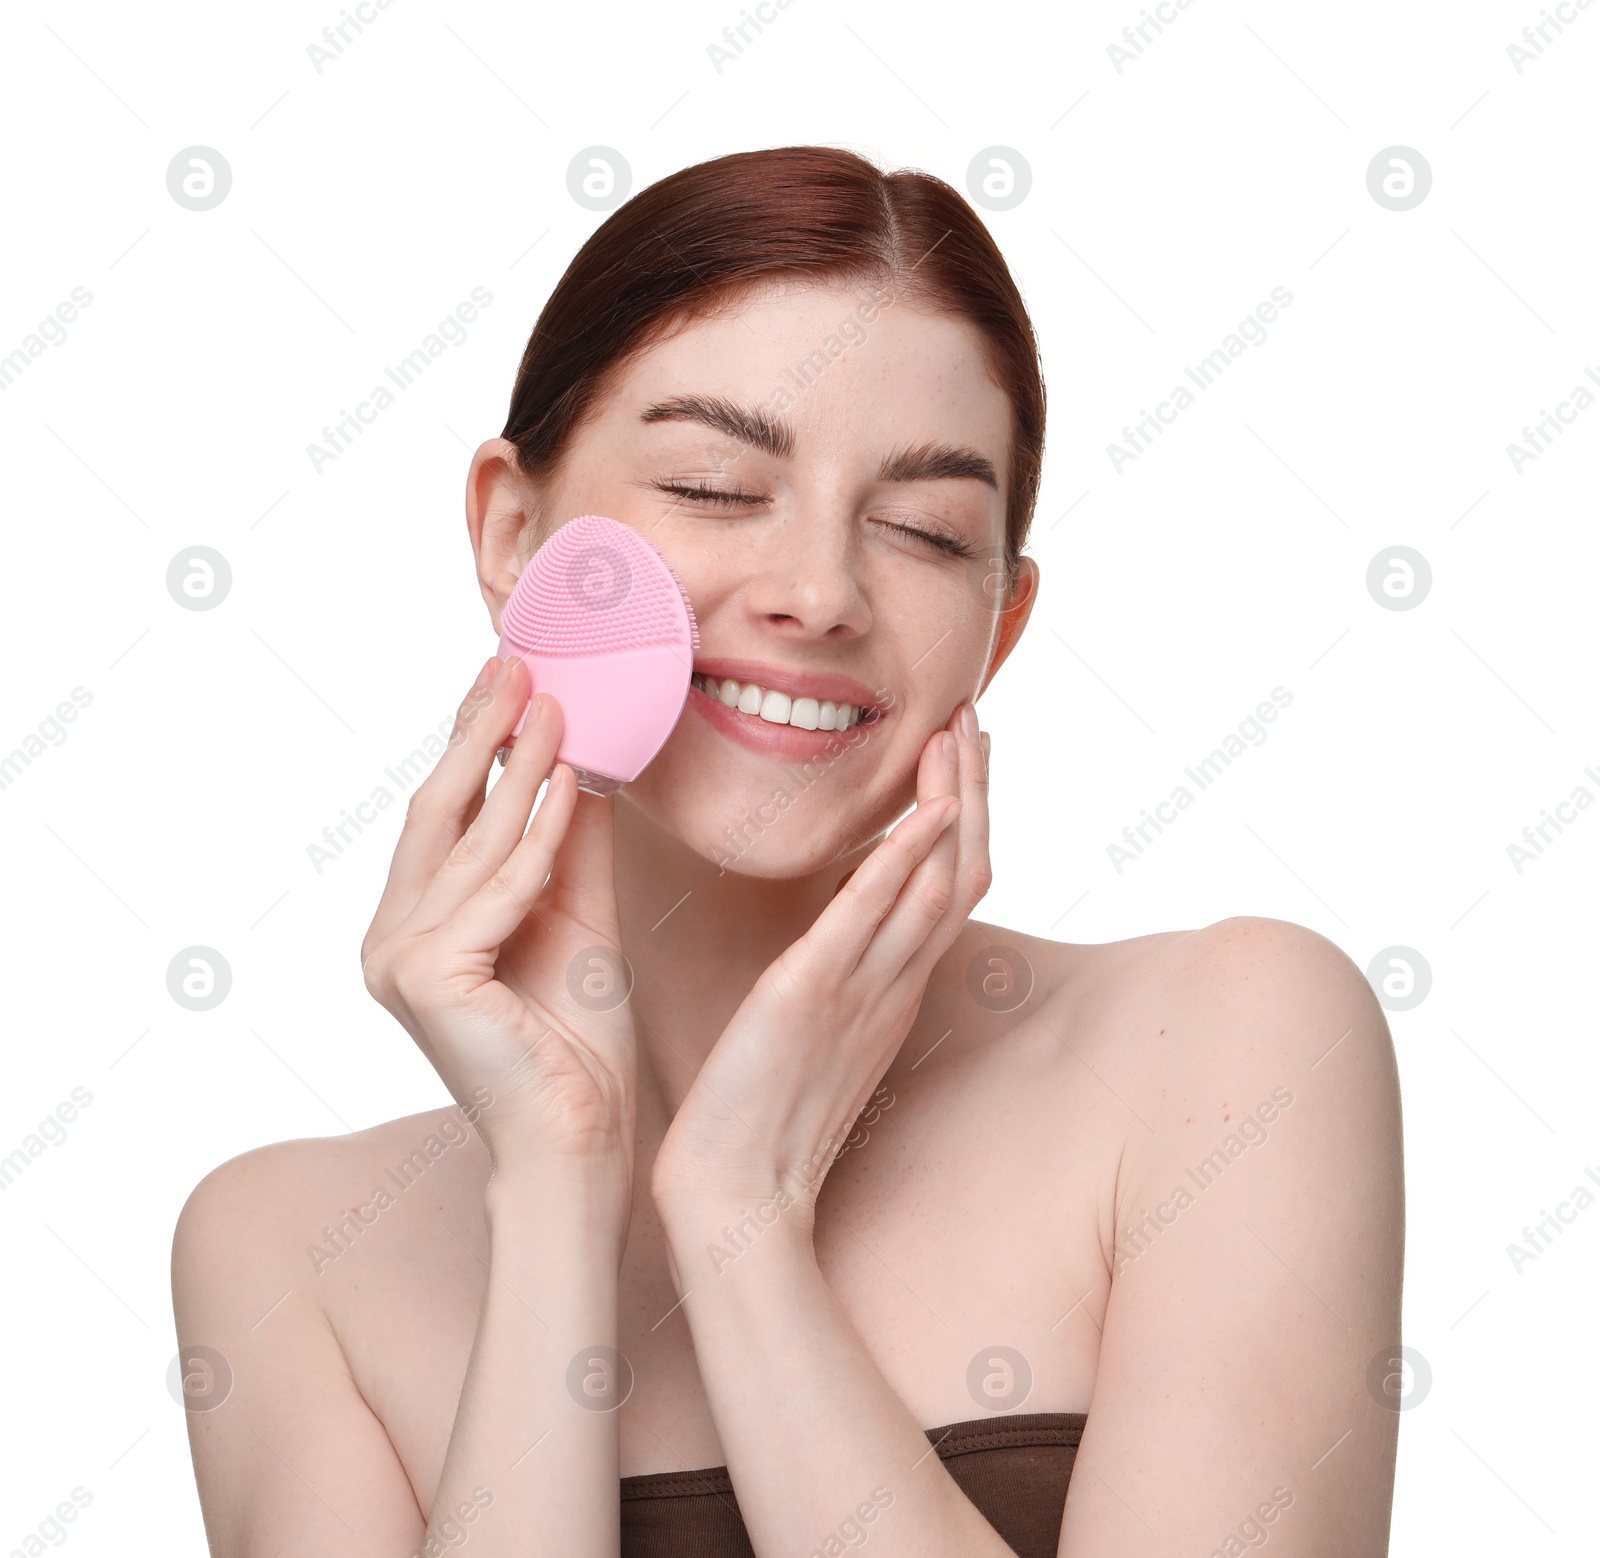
606	629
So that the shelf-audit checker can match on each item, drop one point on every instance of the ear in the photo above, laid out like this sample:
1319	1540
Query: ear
500	512
1014	616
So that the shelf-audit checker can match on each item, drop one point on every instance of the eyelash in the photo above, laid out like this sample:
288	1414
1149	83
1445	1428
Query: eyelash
716	495
723	498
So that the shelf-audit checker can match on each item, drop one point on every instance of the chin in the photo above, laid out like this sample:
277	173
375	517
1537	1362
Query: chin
774	821
776	852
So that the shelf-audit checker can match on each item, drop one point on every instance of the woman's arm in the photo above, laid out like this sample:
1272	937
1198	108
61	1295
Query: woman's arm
294	1460
819	1445
1244	1395
485	926
536	1426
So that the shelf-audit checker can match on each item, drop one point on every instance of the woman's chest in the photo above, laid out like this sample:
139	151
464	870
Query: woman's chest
962	1230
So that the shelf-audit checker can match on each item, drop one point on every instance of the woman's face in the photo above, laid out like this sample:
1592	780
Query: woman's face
825	469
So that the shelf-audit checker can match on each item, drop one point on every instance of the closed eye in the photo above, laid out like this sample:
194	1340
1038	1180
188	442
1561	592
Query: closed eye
946	544
718	497
728	498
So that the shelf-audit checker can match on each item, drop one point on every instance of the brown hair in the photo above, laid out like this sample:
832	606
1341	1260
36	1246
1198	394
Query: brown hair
718	230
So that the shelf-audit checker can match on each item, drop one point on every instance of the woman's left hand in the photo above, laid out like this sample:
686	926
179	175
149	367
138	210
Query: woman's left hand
783	1085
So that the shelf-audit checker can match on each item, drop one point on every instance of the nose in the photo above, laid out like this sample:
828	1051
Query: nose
806	582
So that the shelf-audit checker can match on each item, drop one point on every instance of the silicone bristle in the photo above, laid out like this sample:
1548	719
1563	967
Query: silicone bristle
597	586
694	625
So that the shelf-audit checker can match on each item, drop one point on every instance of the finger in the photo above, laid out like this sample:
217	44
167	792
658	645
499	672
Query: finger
434	817
452	797
929	899
973	873
467	717
500	903
440	808
844	929
970	876
931	767
938	775
503	820
936	771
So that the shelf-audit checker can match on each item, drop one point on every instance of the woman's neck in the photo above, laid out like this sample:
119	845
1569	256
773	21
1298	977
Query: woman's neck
697	939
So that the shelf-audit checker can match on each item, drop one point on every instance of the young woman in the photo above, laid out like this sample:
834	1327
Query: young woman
818	1212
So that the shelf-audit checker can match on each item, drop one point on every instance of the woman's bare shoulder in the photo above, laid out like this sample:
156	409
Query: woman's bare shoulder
1185	1024
1191	1003
267	1202
997	969
1253	985
1063	970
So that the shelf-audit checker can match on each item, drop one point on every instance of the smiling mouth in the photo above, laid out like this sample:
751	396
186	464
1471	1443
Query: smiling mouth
778	708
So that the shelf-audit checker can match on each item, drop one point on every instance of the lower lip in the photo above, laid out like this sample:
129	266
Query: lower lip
787	741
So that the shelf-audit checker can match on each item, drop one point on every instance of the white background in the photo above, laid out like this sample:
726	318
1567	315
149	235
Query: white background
1167	200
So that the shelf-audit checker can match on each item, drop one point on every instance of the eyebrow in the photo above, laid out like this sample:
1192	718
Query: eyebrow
933	462
750	425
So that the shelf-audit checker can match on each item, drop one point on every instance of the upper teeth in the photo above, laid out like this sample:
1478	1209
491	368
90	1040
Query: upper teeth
778	708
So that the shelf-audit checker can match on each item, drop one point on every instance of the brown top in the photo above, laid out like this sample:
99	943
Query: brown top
1014	1470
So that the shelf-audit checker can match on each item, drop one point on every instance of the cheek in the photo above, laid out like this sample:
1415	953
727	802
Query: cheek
954	605
944	657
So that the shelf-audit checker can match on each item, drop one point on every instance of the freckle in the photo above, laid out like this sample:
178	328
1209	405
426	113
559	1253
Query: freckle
1226	1118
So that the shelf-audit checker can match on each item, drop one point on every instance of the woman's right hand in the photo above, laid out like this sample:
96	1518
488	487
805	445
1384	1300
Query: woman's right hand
513	986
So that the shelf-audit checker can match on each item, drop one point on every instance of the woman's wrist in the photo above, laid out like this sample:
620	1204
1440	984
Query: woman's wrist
695	1202
708	1230
575	1200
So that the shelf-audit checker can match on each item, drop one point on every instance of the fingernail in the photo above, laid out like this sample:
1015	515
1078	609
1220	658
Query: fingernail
484	674
984	739
969	722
